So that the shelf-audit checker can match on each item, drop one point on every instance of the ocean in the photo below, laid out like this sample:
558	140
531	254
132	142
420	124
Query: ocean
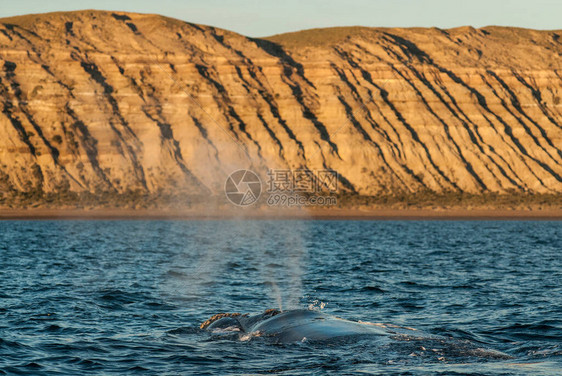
127	297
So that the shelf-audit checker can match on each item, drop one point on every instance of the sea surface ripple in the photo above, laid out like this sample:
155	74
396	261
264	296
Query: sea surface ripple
127	297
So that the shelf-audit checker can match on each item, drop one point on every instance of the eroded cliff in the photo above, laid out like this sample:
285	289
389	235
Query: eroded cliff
116	102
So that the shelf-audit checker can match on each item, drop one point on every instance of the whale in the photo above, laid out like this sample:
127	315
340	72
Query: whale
302	325
291	326
313	326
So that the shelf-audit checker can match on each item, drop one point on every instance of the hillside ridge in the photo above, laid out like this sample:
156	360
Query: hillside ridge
106	103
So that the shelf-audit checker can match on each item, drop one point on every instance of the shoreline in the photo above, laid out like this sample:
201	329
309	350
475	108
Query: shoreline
285	214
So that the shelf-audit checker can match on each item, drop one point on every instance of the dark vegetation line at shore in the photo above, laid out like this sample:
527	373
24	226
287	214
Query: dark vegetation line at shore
140	200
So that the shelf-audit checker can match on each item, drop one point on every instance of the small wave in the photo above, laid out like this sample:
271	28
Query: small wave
53	328
373	289
44	317
60	347
411	306
417	284
4	344
274	265
176	274
464	287
118	296
33	365
153	305
138	368
529	332
456	333
85	362
184	330
194	360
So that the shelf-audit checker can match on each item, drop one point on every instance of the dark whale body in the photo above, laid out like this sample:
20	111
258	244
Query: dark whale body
314	326
296	325
299	325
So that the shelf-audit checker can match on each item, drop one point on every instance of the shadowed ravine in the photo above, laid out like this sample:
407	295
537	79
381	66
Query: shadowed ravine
108	102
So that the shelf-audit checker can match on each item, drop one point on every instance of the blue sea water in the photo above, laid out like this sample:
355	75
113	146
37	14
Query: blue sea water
127	297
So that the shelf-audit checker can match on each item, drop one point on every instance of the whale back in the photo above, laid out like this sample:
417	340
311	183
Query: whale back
314	326
299	325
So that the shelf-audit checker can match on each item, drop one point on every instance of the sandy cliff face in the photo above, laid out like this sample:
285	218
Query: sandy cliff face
114	102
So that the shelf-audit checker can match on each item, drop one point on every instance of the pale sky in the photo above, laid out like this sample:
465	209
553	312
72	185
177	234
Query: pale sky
267	17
